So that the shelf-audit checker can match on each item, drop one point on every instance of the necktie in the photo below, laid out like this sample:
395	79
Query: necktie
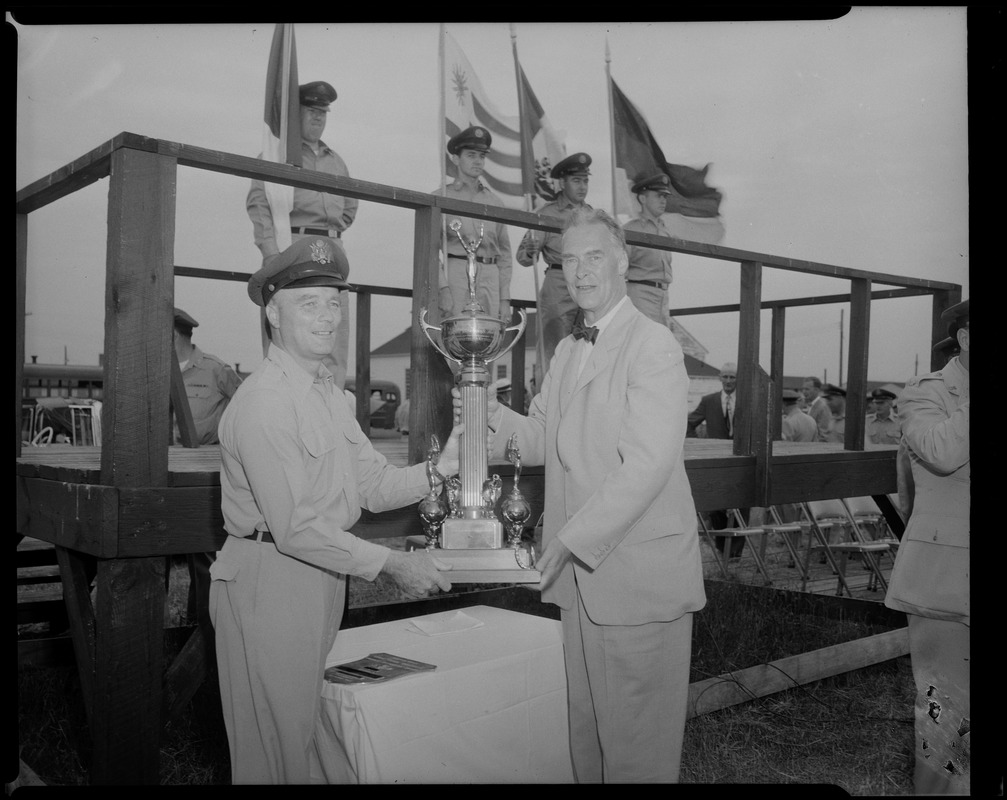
582	331
727	417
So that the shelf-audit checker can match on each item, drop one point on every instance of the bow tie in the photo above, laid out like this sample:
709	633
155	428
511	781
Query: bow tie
582	331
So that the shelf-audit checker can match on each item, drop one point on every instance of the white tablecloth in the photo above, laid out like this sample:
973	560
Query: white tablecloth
494	710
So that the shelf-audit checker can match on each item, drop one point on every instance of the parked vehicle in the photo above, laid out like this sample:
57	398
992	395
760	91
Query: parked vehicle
384	402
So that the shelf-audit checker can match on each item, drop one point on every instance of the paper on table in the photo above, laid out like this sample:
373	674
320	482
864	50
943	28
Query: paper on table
459	621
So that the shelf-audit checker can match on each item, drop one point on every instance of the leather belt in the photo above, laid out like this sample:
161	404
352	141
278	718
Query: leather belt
655	284
480	259
261	536
318	232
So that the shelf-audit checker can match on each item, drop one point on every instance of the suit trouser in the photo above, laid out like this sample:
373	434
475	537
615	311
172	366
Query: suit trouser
628	692
558	311
940	652
275	620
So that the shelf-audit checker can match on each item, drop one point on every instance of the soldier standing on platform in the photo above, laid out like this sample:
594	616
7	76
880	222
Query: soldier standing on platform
468	151
556	308
882	426
314	213
649	273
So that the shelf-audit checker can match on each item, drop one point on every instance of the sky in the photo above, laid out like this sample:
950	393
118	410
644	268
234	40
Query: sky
840	141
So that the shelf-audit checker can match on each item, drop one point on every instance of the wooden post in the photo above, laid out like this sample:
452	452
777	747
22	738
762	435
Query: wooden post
129	612
517	364
777	339
939	330
748	355
363	356
21	282
430	405
856	382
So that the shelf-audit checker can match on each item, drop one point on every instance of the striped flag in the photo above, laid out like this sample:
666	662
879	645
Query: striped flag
281	134
693	207
542	147
465	103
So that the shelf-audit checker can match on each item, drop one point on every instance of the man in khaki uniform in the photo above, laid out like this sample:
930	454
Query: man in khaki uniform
930	580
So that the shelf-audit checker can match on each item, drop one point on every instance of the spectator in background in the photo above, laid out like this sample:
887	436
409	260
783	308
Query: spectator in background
314	213
835	397
649	274
715	413
467	151
797	426
817	407
556	307
883	426
209	382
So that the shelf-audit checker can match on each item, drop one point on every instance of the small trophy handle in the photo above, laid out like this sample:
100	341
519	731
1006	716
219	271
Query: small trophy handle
519	328
426	327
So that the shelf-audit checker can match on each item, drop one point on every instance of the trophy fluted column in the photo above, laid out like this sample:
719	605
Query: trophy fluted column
473	468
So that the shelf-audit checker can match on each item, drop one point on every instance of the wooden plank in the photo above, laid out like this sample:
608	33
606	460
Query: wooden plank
77	596
169	521
187	671
179	406
798	480
733	688
77	516
363	361
777	346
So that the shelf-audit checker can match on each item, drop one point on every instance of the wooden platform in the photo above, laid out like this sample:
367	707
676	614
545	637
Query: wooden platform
61	499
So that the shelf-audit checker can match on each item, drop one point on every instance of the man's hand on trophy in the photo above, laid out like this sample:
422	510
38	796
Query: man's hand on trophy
447	464
417	573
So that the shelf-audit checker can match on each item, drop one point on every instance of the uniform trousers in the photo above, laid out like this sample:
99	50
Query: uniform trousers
651	301
275	620
940	652
628	693
558	311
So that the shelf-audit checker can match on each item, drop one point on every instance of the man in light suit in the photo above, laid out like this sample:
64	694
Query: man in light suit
717	411
930	579
621	554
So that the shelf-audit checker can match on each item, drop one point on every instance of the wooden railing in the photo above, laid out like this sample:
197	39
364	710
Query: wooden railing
141	270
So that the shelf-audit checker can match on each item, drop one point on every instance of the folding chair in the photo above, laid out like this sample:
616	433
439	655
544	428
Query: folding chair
741	530
789	532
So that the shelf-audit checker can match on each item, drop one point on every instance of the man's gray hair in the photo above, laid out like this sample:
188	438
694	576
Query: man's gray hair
596	216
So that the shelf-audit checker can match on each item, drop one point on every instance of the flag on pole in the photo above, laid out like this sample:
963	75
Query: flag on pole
465	104
693	211
542	147
281	135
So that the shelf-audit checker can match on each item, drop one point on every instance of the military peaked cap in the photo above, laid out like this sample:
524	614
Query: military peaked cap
954	317
474	138
317	95
658	183
183	319
833	390
577	164
314	261
883	394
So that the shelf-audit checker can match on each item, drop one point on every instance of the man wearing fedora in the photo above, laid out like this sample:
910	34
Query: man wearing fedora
930	579
649	273
296	470
468	151
313	213
556	308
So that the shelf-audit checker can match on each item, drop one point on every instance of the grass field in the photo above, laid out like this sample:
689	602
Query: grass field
854	730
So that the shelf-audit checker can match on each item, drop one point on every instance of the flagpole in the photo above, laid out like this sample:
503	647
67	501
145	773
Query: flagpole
441	133
611	126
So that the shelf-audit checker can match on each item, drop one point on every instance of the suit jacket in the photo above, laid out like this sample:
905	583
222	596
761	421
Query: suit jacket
616	491
711	411
931	573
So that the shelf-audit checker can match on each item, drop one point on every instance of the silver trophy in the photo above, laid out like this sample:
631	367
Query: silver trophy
472	339
433	508
515	510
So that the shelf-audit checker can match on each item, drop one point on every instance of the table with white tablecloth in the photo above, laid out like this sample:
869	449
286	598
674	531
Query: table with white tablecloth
493	710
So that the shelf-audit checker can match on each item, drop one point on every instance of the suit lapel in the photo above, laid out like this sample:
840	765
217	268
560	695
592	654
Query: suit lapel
604	350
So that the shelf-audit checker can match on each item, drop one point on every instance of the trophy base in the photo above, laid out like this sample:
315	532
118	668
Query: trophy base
479	565
471	534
